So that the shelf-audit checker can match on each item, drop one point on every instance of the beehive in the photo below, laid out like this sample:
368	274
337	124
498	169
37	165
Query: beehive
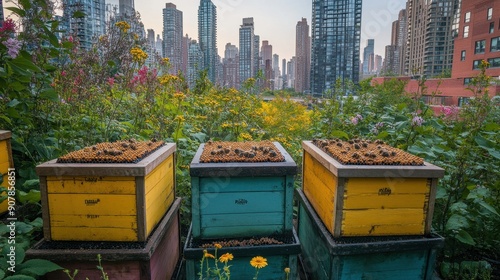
279	257
155	259
107	201
237	199
380	196
375	257
6	162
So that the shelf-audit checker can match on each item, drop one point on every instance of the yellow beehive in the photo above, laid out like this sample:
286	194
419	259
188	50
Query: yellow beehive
369	200
107	201
6	162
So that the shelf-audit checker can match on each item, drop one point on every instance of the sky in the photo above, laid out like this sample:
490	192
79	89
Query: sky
275	20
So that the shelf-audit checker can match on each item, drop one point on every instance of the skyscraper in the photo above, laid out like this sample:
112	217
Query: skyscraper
126	8
247	50
230	67
368	57
1	13
303	56
172	37
86	28
394	60
336	33
429	48
195	63
207	34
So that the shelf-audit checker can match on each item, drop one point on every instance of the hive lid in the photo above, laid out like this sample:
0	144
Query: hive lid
5	134
425	170
286	166
141	168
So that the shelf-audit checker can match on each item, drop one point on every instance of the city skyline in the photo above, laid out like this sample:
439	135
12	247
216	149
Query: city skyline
276	23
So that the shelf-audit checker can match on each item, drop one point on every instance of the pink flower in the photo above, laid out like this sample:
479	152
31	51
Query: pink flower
417	121
111	81
13	46
8	26
354	120
63	73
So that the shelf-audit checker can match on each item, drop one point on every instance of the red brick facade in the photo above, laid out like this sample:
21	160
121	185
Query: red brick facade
478	39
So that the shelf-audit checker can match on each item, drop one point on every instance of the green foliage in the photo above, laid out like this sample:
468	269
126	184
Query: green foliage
57	98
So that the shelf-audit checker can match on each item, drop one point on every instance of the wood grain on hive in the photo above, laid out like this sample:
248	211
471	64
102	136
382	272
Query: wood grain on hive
107	201
6	162
237	199
374	257
369	200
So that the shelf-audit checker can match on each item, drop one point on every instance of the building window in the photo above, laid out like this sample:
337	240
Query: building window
462	57
466	31
476	64
494	62
492	27
480	47
467	81
463	101
467	17
490	13
495	44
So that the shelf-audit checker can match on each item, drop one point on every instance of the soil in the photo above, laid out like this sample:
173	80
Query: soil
366	152
243	242
222	152
125	151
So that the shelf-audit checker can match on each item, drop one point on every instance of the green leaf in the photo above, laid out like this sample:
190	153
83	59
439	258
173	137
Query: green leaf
38	267
492	127
489	207
2	273
383	135
200	136
19	277
13	103
17	11
33	196
464	237
79	14
340	134
49	94
456	222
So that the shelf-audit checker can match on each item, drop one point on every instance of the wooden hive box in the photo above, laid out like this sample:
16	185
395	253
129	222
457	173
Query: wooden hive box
390	257
369	200
239	199
107	201
155	259
6	162
279	257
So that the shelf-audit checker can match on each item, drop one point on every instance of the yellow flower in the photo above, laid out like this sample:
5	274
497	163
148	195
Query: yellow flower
258	262
217	245
245	136
179	118
138	54
166	60
226	257
123	25
287	270
207	254
179	95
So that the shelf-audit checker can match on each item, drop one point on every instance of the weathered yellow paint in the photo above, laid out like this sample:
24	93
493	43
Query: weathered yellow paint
4	153
373	221
91	185
156	212
395	185
375	201
89	220
380	230
160	193
93	234
92	204
163	169
4	167
318	185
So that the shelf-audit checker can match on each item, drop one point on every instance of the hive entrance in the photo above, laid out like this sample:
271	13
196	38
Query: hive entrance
366	152
263	151
125	151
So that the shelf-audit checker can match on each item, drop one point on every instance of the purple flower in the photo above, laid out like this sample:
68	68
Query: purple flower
417	121
13	46
379	125
359	117
354	120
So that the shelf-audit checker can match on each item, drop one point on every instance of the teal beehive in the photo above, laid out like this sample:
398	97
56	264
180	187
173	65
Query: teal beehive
389	257
242	199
